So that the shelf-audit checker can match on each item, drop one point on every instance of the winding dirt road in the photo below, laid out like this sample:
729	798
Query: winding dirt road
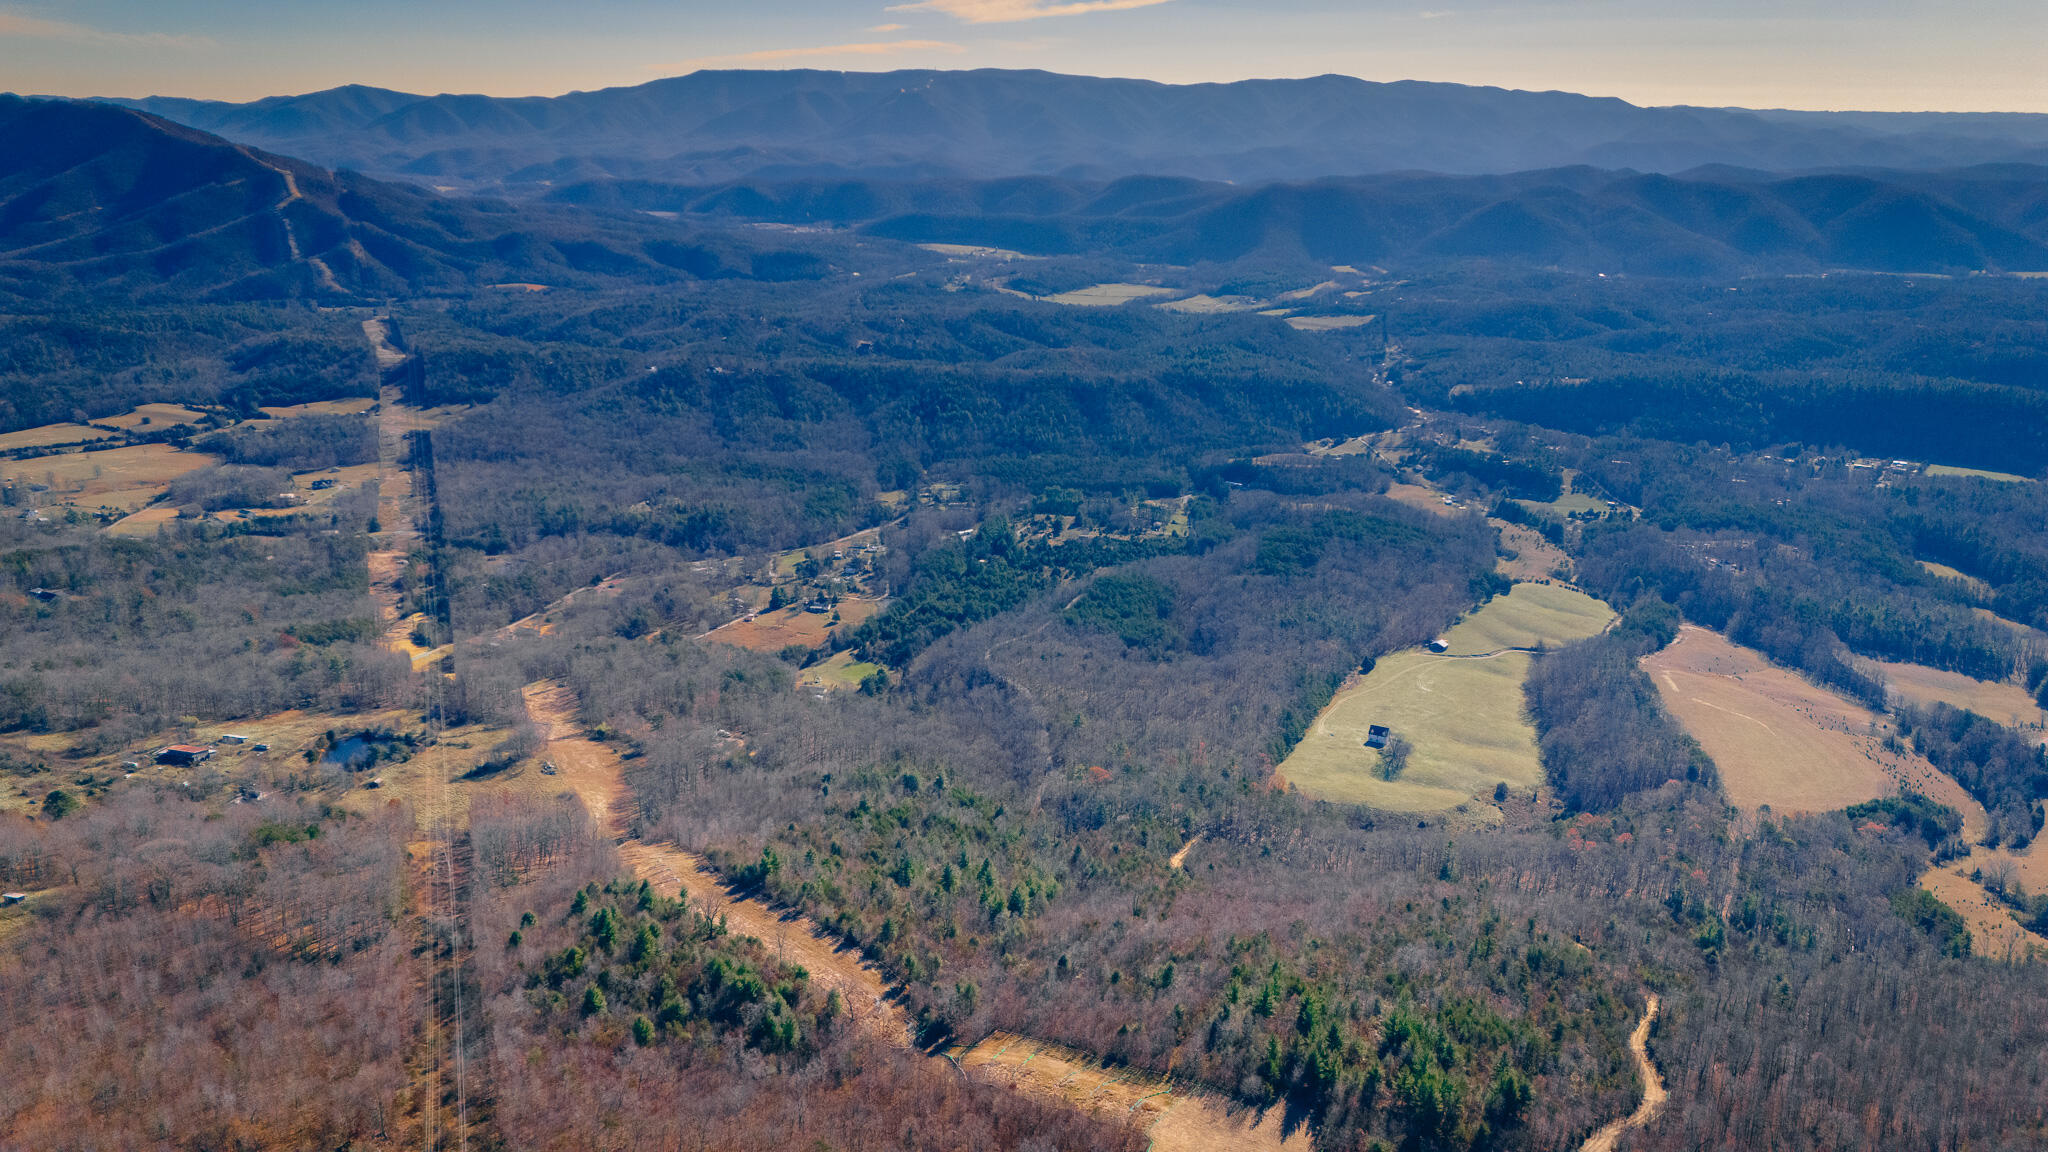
1654	1094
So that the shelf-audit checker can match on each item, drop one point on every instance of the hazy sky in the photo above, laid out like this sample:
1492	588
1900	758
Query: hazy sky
1959	55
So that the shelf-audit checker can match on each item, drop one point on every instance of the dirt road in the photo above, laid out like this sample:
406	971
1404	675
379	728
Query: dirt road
1654	1094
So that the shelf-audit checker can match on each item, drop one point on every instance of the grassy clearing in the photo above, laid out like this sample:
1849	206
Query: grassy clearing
840	672
1463	716
120	478
1110	295
1529	616
349	407
154	416
1535	558
1204	303
1947	573
1565	505
977	252
2005	702
1327	323
1777	739
774	631
1994	934
1978	473
49	434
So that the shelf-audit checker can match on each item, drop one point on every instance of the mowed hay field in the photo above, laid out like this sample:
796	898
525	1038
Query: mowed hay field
1462	714
1529	616
1777	739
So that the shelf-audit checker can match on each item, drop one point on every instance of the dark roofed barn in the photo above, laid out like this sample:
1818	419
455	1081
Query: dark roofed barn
184	754
1376	736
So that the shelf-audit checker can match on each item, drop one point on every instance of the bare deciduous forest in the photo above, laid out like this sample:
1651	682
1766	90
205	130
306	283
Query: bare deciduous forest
1111	564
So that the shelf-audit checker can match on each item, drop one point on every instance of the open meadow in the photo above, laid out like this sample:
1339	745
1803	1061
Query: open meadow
1461	711
1529	616
1778	740
2003	701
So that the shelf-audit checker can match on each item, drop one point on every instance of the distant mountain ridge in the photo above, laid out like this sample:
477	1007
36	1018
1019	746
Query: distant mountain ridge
100	197
1713	222
719	126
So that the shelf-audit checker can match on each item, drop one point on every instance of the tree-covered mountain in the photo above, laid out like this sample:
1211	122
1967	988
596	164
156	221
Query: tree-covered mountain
716	126
1706	223
102	197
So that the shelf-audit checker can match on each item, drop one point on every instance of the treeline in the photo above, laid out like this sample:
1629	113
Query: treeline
298	445
2004	770
78	360
1925	369
1600	723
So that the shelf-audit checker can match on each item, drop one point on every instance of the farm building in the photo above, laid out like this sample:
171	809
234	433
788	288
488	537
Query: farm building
1439	645
183	754
233	738
1376	736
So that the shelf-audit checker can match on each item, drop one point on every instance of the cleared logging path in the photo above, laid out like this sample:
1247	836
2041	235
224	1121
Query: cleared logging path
1654	1094
1179	1117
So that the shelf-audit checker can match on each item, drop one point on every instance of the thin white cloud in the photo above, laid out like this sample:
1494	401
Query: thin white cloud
27	27
774	55
888	27
1011	11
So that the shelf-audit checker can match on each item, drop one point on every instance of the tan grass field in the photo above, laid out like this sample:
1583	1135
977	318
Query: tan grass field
977	252
774	631
1956	574
1110	295
154	416
1777	739
2005	702
48	434
348	407
144	522
120	478
1979	473
1202	303
1178	1117
1327	323
1529	616
1419	496
1994	934
1535	557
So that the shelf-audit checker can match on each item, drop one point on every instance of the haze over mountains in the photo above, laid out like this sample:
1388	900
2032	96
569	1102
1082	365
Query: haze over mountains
648	183
715	126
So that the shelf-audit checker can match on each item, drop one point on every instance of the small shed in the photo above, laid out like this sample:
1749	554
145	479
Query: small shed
184	754
1439	645
12	897
1376	736
234	738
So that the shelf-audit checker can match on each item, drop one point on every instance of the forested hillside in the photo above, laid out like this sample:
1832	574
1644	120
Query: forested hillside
747	688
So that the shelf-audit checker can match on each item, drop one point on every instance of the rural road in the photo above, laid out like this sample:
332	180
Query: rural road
1654	1094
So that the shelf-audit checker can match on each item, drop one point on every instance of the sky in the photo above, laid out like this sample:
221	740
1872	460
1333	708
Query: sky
1883	55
